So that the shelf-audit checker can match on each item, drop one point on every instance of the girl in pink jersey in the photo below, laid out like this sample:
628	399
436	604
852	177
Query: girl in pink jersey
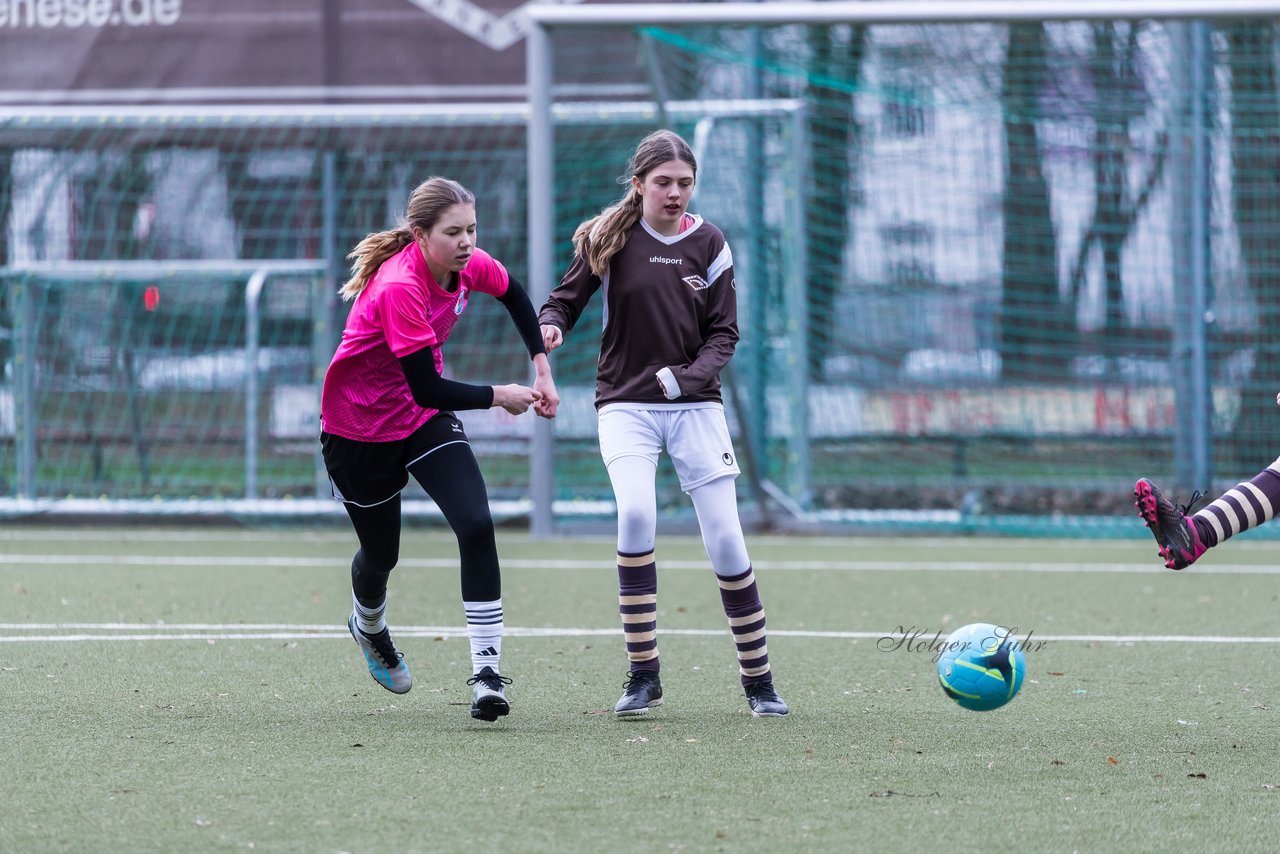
386	412
670	328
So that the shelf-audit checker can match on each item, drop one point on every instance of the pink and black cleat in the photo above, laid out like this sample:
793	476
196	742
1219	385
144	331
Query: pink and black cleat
1176	535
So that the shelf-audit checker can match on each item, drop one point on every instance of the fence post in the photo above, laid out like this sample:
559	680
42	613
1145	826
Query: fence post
326	321
26	291
252	292
1189	353
541	206
795	252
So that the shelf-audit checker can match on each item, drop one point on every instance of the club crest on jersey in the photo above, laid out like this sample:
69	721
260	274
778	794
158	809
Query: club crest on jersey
697	283
461	302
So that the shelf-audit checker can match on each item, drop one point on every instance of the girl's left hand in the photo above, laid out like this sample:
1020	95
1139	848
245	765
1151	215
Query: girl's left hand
546	407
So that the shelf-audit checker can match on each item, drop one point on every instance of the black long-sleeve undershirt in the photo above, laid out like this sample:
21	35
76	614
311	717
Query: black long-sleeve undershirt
516	300
432	391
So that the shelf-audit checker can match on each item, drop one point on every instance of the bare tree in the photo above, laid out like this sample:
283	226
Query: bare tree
1118	98
1255	183
1034	324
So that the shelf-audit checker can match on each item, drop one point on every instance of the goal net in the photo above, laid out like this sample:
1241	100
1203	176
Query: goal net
1030	256
169	286
994	261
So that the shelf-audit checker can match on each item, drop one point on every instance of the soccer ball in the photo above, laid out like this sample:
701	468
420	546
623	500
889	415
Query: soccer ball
981	666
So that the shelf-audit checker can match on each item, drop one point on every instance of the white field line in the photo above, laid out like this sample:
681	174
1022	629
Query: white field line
166	535
45	559
42	632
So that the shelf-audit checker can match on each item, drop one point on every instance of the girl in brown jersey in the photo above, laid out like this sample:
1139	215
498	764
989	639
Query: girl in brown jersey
670	327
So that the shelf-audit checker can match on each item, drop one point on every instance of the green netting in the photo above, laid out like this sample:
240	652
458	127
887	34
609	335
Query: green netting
986	271
127	330
1004	310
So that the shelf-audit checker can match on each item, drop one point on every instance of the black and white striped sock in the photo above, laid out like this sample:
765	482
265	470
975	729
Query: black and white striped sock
370	618
484	628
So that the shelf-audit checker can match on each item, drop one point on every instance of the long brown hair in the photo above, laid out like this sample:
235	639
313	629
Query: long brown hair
427	203
608	229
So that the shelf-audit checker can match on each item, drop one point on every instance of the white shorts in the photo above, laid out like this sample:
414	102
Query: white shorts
696	438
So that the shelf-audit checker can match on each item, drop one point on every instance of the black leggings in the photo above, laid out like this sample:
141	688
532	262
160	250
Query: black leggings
451	476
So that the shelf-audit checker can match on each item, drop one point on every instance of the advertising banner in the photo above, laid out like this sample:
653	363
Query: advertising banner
194	51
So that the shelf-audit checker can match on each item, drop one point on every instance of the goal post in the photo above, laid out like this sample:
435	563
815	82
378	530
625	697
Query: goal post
552	16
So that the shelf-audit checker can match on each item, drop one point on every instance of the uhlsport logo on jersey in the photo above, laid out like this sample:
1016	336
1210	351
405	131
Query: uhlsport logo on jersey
697	283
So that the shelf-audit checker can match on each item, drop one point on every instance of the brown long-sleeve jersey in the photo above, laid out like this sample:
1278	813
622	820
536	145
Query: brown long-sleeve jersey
669	302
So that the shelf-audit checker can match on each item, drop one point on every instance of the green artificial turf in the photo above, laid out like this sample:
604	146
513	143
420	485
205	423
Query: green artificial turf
1147	722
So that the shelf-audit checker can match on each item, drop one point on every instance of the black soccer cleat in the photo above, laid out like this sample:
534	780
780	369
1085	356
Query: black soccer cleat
764	701
488	699
641	692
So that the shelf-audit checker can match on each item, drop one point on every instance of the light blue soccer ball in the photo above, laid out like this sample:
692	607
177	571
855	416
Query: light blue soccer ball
981	666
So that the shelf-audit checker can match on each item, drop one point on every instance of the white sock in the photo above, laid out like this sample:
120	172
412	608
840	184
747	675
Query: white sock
370	620
484	628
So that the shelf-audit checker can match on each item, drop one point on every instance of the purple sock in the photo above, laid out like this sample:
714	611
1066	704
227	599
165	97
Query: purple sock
1244	506
638	607
741	600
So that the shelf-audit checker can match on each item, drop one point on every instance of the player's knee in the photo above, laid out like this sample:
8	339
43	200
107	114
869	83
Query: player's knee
474	530
635	519
375	562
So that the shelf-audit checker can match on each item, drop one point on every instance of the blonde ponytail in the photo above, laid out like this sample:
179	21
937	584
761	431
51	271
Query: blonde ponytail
427	203
369	255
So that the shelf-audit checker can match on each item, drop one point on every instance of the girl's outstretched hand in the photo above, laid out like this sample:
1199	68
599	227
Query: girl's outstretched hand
516	399
552	337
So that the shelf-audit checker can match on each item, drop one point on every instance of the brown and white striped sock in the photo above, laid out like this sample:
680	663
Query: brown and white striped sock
741	600
638	607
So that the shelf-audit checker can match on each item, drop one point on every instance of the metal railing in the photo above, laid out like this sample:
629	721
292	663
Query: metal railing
28	278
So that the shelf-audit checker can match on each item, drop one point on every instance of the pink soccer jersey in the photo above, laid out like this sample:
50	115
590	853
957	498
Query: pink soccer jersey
402	310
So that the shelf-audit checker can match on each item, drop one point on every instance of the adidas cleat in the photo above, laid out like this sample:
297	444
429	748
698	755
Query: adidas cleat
488	700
